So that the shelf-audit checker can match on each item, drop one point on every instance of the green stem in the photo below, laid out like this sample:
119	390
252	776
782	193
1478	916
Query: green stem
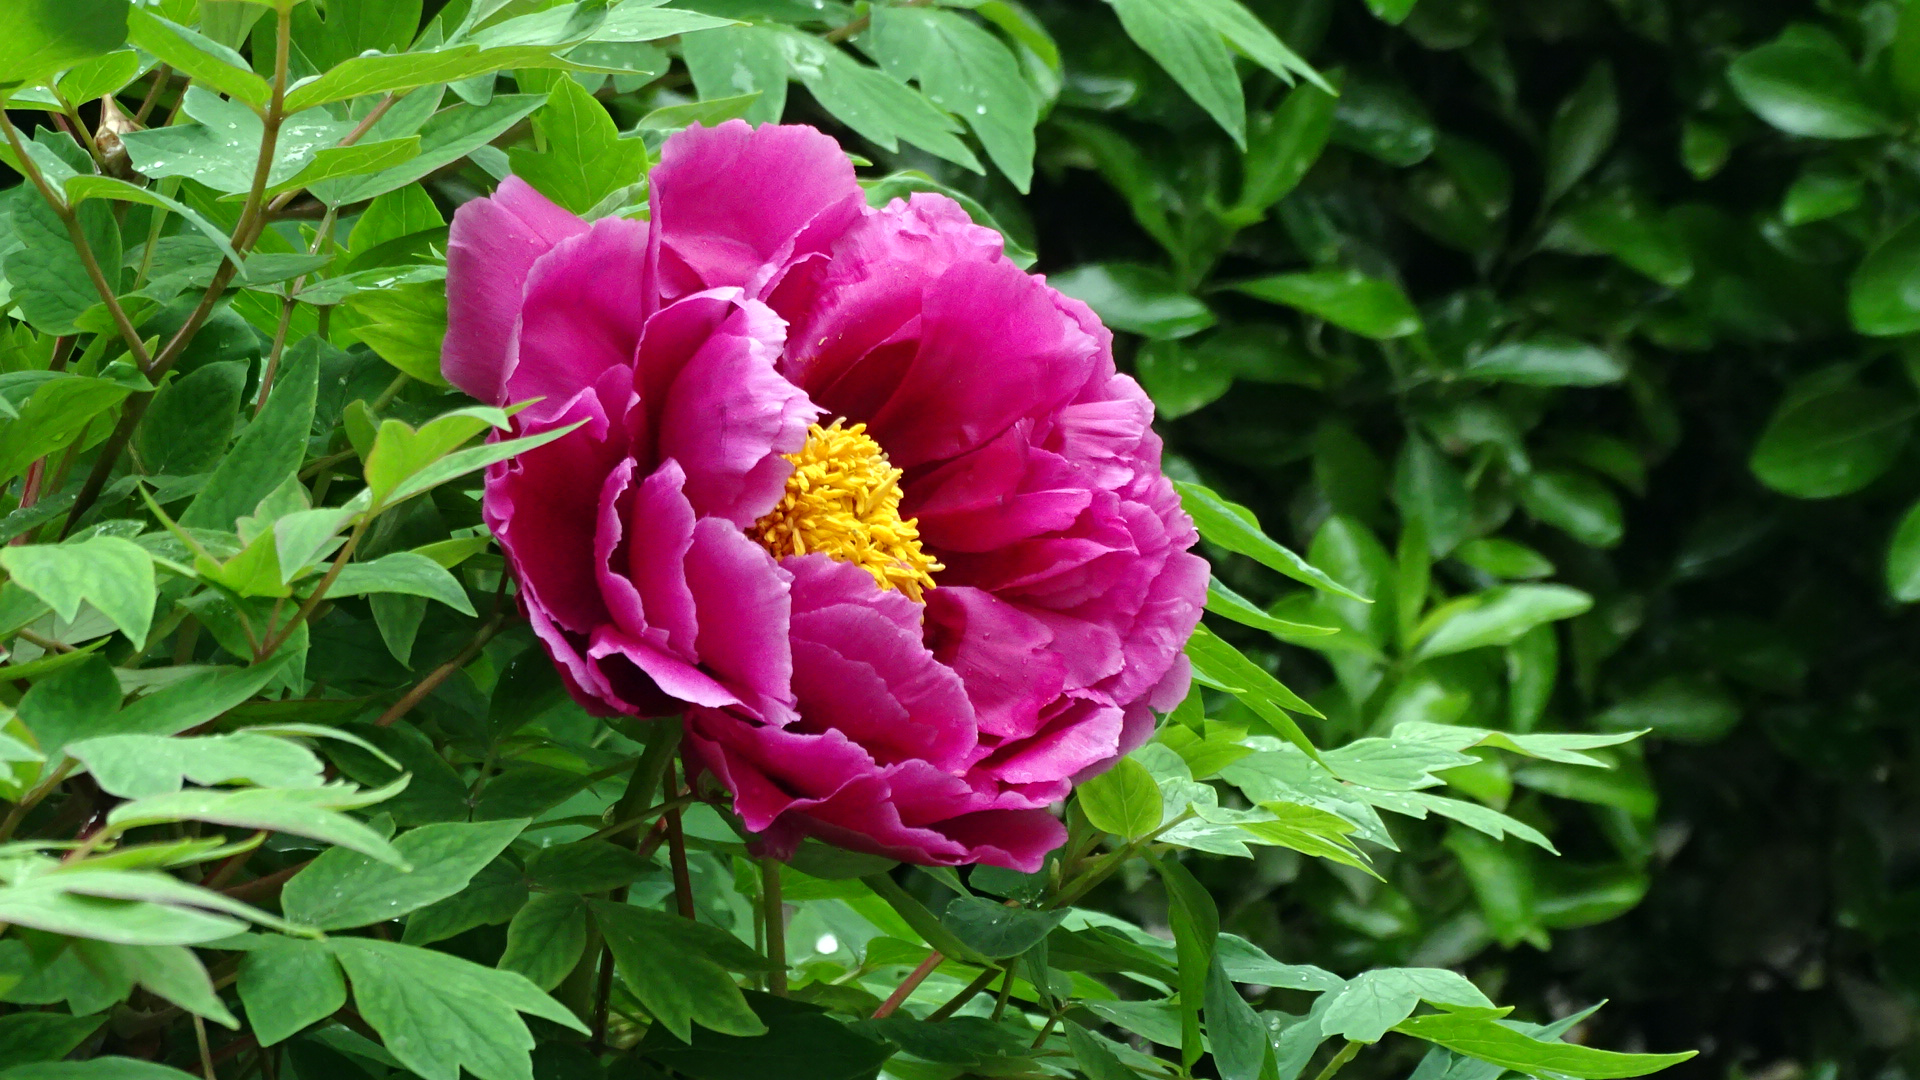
1340	1060
966	994
776	918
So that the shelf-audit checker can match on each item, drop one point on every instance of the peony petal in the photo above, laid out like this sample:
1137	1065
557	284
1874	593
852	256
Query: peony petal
582	313
741	595
1003	655
736	205
544	507
729	417
492	245
950	401
662	527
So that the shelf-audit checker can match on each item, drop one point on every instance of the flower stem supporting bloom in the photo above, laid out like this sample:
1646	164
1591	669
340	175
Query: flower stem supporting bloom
1340	1060
908	985
677	855
776	919
966	994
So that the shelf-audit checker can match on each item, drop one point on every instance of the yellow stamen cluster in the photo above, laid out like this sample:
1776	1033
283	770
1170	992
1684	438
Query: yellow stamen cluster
843	500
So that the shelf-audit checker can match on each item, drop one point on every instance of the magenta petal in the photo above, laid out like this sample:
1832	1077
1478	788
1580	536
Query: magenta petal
870	677
490	248
581	313
1081	733
949	401
729	417
741	595
736	205
1004	656
662	526
1015	839
544	506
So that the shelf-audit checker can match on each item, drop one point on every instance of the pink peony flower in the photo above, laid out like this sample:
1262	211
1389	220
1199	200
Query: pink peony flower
867	502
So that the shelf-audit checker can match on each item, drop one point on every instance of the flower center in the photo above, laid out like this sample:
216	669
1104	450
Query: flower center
843	500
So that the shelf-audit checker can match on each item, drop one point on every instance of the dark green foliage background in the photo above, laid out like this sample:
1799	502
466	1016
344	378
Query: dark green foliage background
1778	929
1580	334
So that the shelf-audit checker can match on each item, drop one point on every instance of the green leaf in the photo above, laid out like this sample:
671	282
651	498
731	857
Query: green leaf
207	62
270	451
1136	298
114	575
356	160
438	1013
678	972
1175	34
996	931
1819	193
1499	616
190	421
451	134
1090	1052
193	699
1576	503
800	1042
491	898
343	888
71	704
288	984
1582	130
405	323
1196	930
1241	1047
100	1068
1548	361
585	158
313	812
81	188
967	71
1804	83
55	410
1369	1005
738	60
1234	527
1222	666
40	37
1831	437
871	102
133	766
27	1037
127	907
1884	296
404	572
1384	120
50	283
1282	146
546	937
1369	306
1481	1035
1124	800
1682	707
171	972
585	866
1903	558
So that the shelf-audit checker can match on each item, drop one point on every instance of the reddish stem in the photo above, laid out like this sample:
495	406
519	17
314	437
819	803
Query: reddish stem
908	985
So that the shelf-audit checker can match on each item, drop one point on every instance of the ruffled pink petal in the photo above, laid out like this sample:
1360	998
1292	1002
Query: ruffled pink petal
949	402
1079	732
1015	839
490	248
544	507
741	595
729	417
736	205
1003	656
581	313
870	677
661	522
